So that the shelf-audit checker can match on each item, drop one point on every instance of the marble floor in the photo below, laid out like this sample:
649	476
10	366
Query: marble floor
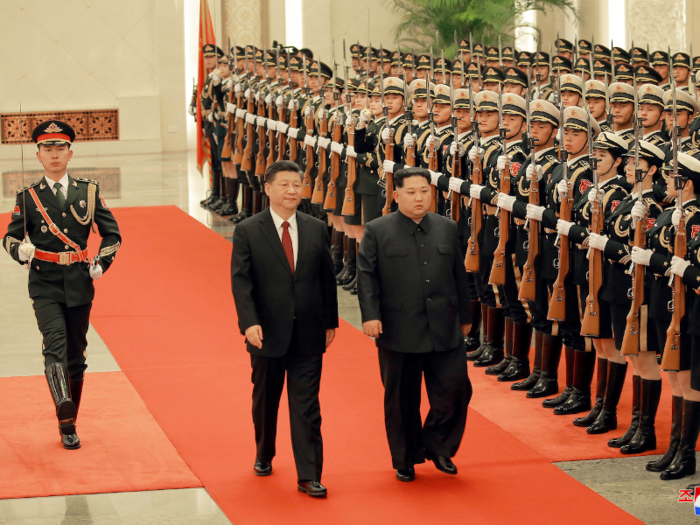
172	179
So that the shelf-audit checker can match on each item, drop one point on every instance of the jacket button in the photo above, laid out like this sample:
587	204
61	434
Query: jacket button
429	299
65	230
425	262
422	245
37	267
67	247
427	280
63	214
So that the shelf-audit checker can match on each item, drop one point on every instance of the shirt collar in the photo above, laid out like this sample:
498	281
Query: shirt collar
63	181
542	153
279	220
396	118
464	134
443	128
570	163
486	140
411	226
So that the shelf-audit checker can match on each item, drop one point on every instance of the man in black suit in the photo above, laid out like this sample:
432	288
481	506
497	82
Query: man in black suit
414	298
286	299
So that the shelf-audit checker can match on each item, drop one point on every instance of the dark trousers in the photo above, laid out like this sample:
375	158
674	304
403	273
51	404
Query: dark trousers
449	392
64	330
303	379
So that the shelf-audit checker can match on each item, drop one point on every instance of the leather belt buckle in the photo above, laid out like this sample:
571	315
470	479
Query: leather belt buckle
64	258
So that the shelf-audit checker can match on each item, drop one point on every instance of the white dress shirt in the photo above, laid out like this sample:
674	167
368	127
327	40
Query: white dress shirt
63	182
293	231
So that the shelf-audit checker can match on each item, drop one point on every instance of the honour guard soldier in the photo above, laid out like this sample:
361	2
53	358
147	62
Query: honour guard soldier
651	112
620	56
492	57
564	48
208	104
624	73
524	61
597	101
49	232
393	128
681	71
515	81
508	57
602	53
660	61
493	79
602	71
622	109
582	68
543	88
571	90
640	57
423	67
646	75
441	74
584	49
356	51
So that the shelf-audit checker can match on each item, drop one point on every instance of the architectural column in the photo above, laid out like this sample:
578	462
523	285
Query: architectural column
659	23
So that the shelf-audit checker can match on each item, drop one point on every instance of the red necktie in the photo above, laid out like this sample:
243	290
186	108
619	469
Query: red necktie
287	245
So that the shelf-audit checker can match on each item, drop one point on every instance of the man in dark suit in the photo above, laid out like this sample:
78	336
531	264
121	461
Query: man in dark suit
51	223
414	298
286	299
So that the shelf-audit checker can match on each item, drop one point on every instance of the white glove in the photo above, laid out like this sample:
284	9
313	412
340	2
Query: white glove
240	113
246	94
506	201
434	176
597	242
563	227
337	147
268	99
348	121
261	121
230	108
676	217
310	140
431	141
95	271
535	212
386	135
457	147
257	98
228	82
388	166
324	142
307	111
641	256
216	78
26	252
474	152
531	169
279	101
364	119
501	162
475	191
562	188
237	90
293	104
679	266
591	195
190	110
409	140
250	118
455	184
350	151
638	212
210	117
282	127
293	133
272	125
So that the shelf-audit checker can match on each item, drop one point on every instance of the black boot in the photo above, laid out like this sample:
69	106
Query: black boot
607	419
214	195
636	407
234	189
683	463
473	339
664	461
349	287
337	251
341	277
66	412
645	437
76	393
257	202
548	383
580	398
351	263
564	396
508	346
473	355
519	367
602	381
493	353
534	376
246	206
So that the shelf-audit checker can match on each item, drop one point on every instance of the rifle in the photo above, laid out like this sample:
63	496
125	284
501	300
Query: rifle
318	195
306	188
240	122
193	101
388	147
247	163
557	304
590	324
432	156
349	202
537	69
331	200
260	160
282	110
272	141
227	151
410	159
630	342
471	261
527	285
672	356
498	270
455	203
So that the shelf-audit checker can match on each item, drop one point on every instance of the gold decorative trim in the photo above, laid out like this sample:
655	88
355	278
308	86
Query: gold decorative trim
109	250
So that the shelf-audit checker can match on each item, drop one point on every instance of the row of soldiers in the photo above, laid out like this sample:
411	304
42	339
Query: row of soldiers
574	196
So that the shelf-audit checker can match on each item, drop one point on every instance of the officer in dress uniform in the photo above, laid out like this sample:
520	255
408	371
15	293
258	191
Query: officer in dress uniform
542	88
49	231
597	101
651	113
660	61
622	109
681	70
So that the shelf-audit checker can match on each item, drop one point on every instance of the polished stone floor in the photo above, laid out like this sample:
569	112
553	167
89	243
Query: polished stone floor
172	179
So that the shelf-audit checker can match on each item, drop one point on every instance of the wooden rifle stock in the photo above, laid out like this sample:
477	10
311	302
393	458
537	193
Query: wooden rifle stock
281	137
318	195
349	202
557	304
227	151
306	187
293	122
389	177
498	270
671	360
247	163
331	200
630	342
240	134
456	197
260	161
527	284
432	166
271	138
471	261
590	324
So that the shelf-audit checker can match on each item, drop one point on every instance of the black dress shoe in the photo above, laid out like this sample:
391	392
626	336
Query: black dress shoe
408	474
312	488
262	469
442	463
69	439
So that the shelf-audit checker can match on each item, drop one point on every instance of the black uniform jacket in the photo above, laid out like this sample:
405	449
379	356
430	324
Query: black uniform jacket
70	285
412	279
267	293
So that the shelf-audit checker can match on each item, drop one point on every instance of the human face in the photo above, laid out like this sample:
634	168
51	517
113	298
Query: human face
621	112
240	65
597	107
284	193
394	72
607	164
355	64
584	75
441	78
543	72
420	108
543	134
516	89
475	85
413	199
375	106
575	140
456	81
681	119
649	114
360	100
570	98
394	103
210	62
464	123
488	122
328	96
408	72
680	73
662	70
223	67
422	73
492	63
55	159
491	86
442	115
647	172
566	54
271	72
514	125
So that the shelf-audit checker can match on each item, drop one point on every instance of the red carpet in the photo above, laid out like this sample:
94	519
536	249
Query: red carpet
166	313
123	449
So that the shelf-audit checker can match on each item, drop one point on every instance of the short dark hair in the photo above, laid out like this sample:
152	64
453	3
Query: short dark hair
405	173
280	165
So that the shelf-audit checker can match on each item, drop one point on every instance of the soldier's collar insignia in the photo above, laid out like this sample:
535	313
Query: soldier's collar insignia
75	184
82	204
42	186
53	128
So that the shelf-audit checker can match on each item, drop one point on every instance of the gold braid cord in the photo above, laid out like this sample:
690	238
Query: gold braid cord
90	215
9	241
109	250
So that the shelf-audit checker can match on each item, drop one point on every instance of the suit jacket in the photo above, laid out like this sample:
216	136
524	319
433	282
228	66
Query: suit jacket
266	292
71	285
412	279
